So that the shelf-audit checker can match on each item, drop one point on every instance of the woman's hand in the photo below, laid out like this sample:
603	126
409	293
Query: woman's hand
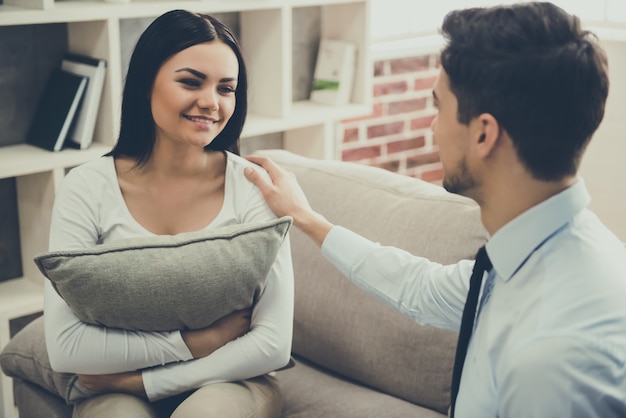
204	341
129	382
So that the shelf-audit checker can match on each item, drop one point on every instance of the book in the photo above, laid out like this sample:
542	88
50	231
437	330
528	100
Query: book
82	129
56	110
334	73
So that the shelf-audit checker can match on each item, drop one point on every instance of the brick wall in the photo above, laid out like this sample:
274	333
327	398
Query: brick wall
396	135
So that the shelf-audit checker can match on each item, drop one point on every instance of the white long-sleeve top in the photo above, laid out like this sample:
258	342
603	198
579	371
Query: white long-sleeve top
89	209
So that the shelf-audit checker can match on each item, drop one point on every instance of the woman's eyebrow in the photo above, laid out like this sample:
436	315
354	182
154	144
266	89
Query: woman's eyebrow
192	71
203	76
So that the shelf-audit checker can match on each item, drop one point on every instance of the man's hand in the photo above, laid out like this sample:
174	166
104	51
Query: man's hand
129	382
203	342
285	197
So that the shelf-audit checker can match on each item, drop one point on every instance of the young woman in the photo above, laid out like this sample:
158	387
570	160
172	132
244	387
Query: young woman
175	168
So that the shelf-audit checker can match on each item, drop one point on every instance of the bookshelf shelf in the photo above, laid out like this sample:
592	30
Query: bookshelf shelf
75	11
23	159
302	113
96	28
18	297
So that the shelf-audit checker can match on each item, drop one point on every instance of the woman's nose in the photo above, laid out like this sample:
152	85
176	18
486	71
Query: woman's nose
208	100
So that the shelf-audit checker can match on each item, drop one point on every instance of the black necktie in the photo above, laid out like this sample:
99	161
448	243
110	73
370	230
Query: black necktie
481	265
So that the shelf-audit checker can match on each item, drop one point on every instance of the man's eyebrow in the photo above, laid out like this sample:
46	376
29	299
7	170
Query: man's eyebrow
192	71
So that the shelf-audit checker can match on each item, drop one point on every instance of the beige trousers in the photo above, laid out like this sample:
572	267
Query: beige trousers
253	398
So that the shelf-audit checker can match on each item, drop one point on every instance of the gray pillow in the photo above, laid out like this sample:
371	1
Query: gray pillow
167	282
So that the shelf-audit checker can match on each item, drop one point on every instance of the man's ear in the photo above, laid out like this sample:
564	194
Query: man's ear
487	134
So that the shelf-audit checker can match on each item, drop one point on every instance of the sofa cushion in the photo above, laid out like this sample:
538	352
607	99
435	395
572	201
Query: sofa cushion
337	325
168	282
311	392
25	357
35	402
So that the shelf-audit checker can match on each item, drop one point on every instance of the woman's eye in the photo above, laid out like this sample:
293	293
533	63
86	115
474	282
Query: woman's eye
190	82
227	89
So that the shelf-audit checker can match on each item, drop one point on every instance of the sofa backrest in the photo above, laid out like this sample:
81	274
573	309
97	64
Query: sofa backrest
337	325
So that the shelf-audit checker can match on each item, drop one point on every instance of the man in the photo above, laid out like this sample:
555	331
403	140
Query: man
521	91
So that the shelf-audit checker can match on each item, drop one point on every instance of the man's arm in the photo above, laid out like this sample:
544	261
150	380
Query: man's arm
427	292
285	197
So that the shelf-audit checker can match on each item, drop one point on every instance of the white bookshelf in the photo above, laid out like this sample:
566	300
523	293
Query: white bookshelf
93	28
18	298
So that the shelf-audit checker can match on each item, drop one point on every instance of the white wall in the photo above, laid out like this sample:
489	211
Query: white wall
392	19
603	165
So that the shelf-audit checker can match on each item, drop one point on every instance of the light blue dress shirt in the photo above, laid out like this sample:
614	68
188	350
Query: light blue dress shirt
550	337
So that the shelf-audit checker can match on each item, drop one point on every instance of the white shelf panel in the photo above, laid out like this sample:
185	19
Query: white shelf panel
303	111
303	114
307	3
19	297
77	11
23	159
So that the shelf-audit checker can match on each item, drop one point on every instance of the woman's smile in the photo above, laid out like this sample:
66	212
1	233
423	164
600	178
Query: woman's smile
202	122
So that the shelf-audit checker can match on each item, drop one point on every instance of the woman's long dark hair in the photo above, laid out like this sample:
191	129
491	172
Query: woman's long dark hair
167	35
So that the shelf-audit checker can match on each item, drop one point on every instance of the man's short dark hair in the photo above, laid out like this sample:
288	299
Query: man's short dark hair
537	72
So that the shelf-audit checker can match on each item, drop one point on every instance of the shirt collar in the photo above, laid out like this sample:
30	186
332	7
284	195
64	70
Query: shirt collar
512	244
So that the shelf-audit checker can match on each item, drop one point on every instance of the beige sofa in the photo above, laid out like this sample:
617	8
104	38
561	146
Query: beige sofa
355	357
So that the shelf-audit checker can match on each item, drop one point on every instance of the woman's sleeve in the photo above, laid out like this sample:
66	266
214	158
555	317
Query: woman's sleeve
74	346
265	348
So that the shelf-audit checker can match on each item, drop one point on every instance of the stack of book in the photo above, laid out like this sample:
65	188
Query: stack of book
67	112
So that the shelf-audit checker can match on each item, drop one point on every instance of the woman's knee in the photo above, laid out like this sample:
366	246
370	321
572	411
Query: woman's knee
259	397
114	405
